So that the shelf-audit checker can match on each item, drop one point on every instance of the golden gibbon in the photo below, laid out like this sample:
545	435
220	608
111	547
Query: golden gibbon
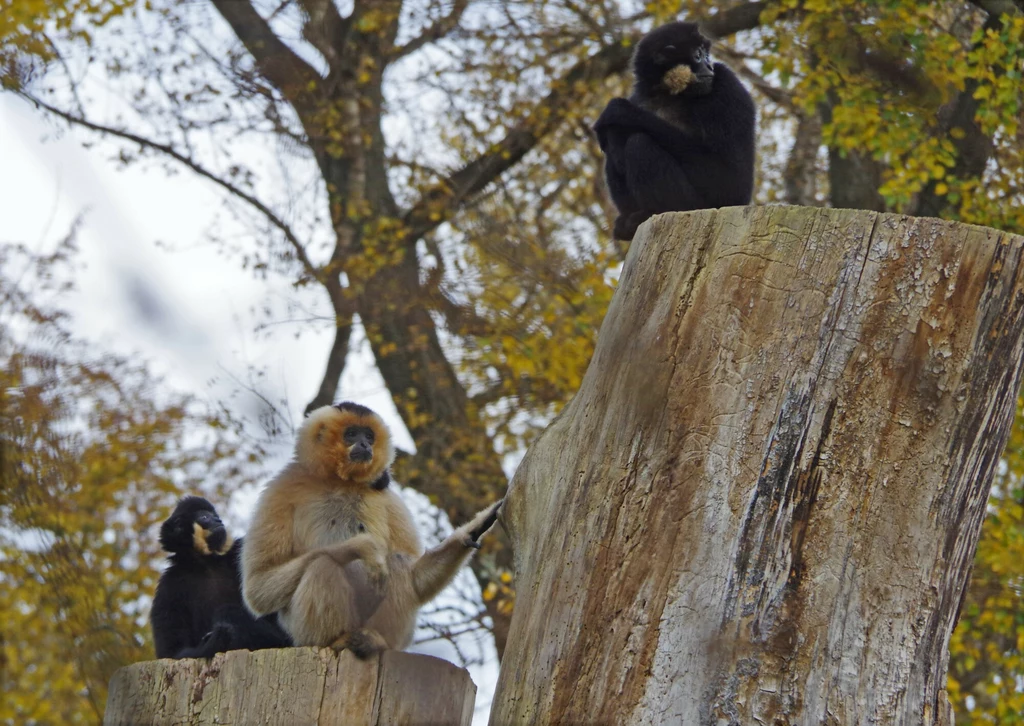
333	549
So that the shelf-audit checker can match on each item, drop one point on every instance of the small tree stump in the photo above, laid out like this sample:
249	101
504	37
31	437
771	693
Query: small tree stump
292	686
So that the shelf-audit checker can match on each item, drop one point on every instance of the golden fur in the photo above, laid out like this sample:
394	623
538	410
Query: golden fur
339	560
677	79
322	450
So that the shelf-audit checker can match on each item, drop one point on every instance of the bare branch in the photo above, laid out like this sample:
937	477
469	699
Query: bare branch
732	20
545	116
997	8
167	150
585	14
435	32
326	29
780	96
277	62
343	312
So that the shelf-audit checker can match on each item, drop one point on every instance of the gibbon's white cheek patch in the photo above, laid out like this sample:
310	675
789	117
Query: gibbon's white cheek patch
677	79
199	539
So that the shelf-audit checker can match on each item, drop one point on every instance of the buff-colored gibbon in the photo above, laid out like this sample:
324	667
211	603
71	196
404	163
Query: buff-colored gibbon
333	549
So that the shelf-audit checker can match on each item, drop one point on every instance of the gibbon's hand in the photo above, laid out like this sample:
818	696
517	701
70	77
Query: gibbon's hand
487	519
377	572
359	547
374	555
220	637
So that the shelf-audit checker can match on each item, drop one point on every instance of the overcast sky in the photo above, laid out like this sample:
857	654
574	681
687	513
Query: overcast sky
187	311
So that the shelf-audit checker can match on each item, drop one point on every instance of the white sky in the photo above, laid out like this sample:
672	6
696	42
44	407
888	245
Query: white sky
202	300
187	312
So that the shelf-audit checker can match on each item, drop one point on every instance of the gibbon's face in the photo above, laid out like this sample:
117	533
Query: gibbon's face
676	59
359	440
194	526
346	440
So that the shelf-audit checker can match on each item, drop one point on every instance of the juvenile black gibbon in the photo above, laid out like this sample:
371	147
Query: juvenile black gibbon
333	549
197	610
684	139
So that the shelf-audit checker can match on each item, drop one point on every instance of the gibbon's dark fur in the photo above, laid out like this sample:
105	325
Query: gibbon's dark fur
684	139
333	549
198	610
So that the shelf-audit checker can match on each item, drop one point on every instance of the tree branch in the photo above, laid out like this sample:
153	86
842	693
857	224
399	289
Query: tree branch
338	354
326	29
973	148
167	150
275	60
997	8
732	20
435	32
545	116
800	177
775	95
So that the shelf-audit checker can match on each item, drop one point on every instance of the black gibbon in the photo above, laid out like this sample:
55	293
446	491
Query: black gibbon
198	610
684	139
333	549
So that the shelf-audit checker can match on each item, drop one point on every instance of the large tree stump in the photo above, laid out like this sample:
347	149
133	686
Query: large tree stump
292	686
763	503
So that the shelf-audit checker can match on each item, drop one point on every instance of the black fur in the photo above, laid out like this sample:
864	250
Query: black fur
355	408
198	610
382	481
669	152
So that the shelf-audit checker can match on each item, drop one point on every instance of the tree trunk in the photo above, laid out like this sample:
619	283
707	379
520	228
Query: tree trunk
763	504
292	686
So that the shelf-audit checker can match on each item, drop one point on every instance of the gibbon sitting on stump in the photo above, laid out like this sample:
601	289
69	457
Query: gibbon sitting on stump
684	139
332	547
197	610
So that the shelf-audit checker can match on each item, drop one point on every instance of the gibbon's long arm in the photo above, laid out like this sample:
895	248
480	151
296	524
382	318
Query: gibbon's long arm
271	588
436	568
267	589
270	572
623	114
170	624
710	117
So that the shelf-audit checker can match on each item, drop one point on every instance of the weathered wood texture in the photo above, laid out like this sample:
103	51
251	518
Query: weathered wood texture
763	503
292	686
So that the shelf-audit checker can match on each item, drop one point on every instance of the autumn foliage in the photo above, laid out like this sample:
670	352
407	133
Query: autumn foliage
93	454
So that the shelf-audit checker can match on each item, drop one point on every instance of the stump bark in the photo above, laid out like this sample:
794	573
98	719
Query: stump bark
292	686
763	504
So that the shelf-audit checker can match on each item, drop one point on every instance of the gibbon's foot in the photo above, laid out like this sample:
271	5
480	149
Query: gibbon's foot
220	637
489	515
626	224
363	643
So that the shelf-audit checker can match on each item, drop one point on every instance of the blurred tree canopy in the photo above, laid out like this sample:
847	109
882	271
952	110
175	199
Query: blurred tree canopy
30	30
92	456
424	169
987	649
